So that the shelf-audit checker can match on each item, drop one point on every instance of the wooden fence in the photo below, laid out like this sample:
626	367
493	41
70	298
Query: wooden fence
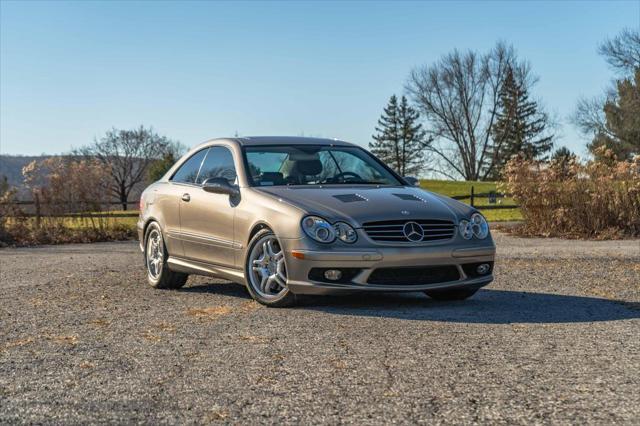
493	200
493	204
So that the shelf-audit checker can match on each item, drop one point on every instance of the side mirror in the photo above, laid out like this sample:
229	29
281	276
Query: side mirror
220	186
412	181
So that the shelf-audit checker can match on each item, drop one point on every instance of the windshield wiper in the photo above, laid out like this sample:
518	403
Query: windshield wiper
356	182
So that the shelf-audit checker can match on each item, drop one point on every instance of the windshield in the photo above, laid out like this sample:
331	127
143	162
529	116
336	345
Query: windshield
279	165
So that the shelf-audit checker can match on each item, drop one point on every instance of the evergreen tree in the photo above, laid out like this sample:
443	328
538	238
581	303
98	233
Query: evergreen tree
563	154
399	138
620	131
562	158
520	127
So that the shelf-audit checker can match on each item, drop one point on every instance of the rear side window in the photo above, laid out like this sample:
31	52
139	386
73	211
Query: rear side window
217	164
188	172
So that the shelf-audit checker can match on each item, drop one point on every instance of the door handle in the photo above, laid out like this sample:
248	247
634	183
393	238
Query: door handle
186	197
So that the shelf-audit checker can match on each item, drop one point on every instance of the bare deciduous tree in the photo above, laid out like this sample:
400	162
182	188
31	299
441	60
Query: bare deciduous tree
458	97
128	153
623	51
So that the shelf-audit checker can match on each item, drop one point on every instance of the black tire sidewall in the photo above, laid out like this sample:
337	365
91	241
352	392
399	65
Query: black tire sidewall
152	282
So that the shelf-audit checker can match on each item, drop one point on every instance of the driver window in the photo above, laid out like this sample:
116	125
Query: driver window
217	164
188	172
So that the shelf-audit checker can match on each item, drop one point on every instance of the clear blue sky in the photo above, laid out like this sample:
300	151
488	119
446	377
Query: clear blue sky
197	70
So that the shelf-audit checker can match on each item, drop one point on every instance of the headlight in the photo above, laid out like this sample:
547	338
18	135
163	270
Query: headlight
479	226
345	232
465	229
318	229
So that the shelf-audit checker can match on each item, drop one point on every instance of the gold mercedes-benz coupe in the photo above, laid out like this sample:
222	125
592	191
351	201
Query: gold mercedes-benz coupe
288	216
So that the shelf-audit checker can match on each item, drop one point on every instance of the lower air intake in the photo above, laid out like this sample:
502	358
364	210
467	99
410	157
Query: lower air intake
414	275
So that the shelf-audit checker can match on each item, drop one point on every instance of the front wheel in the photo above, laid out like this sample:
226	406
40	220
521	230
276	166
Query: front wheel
266	272
155	255
453	294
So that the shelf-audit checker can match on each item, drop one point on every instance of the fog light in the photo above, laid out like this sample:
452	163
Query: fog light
483	268
333	274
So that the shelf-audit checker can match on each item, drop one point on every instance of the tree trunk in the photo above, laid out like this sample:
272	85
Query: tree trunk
38	213
123	198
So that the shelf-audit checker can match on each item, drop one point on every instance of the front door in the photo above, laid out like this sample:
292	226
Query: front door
206	219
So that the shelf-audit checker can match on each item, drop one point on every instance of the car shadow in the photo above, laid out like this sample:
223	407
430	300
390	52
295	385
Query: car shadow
488	306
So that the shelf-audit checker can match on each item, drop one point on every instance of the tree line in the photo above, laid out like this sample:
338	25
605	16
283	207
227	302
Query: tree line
463	116
467	114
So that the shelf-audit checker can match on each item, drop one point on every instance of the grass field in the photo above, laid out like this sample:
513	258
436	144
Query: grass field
455	188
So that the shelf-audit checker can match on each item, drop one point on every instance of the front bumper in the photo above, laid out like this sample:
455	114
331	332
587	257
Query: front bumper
367	260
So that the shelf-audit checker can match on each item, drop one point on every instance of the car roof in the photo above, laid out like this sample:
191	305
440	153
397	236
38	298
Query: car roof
288	140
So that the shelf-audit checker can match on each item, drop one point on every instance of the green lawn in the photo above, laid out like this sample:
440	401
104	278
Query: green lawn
451	188
455	188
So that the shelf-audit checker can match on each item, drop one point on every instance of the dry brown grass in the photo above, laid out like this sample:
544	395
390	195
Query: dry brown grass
71	340
599	199
150	336
16	343
209	313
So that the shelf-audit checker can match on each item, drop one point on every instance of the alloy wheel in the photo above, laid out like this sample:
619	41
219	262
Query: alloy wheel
155	254
268	274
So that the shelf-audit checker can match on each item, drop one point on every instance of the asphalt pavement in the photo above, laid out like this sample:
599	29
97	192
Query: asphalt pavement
555	339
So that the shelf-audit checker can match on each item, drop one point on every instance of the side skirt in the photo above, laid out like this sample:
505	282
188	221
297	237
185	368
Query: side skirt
201	268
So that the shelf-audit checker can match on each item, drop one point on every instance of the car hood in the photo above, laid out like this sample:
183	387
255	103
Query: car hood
360	204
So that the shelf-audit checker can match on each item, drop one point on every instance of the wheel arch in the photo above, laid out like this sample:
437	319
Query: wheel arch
257	227
147	223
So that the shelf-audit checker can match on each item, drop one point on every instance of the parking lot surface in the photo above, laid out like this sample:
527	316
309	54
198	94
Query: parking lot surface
555	339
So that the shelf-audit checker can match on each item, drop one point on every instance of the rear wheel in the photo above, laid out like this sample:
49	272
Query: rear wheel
158	273
453	294
266	271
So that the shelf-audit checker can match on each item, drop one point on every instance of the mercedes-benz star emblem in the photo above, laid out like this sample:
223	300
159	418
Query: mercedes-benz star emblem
413	231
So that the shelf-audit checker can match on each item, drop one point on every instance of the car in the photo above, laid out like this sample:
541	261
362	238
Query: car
290	216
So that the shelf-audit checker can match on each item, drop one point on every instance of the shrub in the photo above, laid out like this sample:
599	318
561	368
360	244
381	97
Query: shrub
598	199
71	197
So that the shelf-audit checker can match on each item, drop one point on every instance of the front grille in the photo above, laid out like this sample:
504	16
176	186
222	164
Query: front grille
393	230
419	275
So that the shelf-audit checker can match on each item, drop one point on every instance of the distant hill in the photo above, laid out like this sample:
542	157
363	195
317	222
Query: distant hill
11	167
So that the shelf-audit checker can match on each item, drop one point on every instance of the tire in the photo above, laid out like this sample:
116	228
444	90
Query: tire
266	275
155	259
454	294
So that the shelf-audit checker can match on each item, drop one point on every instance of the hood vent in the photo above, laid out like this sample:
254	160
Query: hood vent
410	197
350	198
